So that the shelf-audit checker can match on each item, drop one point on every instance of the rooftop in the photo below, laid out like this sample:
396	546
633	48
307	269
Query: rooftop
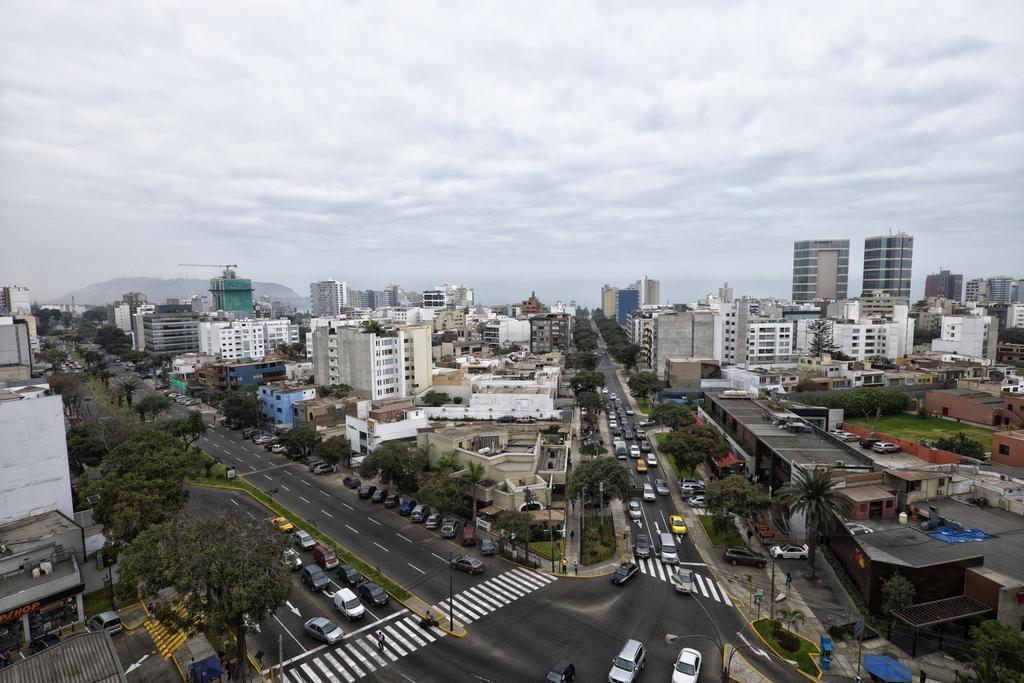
82	658
35	528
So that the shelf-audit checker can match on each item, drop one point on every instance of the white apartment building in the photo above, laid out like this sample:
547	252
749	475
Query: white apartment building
122	319
328	297
1015	315
15	299
863	339
970	336
435	298
372	425
232	340
506	331
377	366
280	331
770	341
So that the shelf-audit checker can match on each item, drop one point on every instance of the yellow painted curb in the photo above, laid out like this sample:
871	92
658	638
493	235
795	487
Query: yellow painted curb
750	623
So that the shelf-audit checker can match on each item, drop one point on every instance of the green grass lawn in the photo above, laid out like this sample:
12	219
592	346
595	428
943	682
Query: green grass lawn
598	545
643	404
96	602
913	428
544	549
804	657
729	537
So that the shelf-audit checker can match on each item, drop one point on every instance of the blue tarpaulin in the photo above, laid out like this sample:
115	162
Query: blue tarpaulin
206	670
887	669
949	534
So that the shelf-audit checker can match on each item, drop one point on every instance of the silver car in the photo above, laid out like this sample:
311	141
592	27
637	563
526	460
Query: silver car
324	630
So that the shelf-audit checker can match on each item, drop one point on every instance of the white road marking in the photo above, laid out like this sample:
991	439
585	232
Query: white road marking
373	520
303	499
285	487
415	567
267	476
323	492
351	529
403	537
233	501
381	547
326	512
348	506
297	642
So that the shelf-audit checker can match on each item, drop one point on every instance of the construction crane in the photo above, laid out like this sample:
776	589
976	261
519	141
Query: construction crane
227	268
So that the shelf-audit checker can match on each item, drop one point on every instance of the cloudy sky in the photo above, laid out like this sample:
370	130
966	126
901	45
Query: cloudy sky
510	146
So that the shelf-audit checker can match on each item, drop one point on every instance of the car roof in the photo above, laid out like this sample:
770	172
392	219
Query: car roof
631	647
319	621
688	654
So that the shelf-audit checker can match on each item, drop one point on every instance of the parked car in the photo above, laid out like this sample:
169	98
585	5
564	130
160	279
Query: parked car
661	487
696	501
313	463
366	490
262	439
843	436
738	554
352	481
419	513
391	501
687	666
867	441
279	448
372	593
314	577
42	642
324	630
563	671
324	557
106	621
468	535
646	423
627	665
349	575
635	511
789	551
488	546
858	529
303	539
323	468
292	560
448	528
468	564
405	507
379	495
885	447
346	602
625	572
283	524
689	483
433	520
642	547
506	419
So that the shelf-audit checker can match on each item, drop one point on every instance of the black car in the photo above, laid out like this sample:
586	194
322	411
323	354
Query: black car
349	575
379	495
642	547
468	564
867	441
562	672
506	419
42	642
313	576
352	481
366	490
487	546
625	572
737	554
372	593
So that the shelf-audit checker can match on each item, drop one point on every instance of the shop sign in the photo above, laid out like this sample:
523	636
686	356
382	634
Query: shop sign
19	612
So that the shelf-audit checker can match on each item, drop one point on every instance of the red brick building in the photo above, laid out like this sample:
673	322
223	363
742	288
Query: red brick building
964	404
1008	448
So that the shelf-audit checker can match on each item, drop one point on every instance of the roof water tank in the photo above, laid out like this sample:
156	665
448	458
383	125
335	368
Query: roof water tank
903	519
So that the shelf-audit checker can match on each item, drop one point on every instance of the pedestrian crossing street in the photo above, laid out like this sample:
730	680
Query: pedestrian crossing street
705	585
359	656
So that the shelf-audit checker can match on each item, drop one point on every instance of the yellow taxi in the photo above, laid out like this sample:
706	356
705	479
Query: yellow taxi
641	466
676	524
283	524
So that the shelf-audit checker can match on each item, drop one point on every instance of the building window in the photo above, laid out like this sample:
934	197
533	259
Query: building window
1004	449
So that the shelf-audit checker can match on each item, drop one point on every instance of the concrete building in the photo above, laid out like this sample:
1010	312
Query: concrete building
276	399
170	329
944	285
626	301
682	335
690	372
1002	289
231	293
770	341
232	340
490	397
867	337
820	269
969	336
506	332
532	306
451	319
419	358
650	291
608	299
1015	315
15	299
120	316
278	332
977	291
888	260
327	298
435	298
15	349
551	332
226	376
378	365
369	424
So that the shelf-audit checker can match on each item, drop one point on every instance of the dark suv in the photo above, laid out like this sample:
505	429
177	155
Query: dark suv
642	548
867	441
737	554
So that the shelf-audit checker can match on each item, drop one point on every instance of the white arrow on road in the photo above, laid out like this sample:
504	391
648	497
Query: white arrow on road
294	610
639	523
755	650
136	665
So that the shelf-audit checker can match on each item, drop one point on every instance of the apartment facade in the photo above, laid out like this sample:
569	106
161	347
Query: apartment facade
970	336
820	269
232	340
276	400
608	299
506	331
327	297
551	332
15	349
373	364
170	332
689	334
944	285
888	260
626	301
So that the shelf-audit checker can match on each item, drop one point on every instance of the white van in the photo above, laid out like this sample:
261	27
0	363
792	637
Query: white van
667	548
346	602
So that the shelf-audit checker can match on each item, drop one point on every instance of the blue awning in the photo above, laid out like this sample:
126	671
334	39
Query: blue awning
887	669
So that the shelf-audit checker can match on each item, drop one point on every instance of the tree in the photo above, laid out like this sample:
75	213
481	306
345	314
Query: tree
821	340
897	594
790	617
188	429
673	415
644	384
332	450
679	446
226	570
998	652
626	354
397	464
517	525
866	402
816	495
592	401
960	444
371	326
303	439
581	360
473	476
586	380
435	399
129	386
242	408
587	476
734	496
442	492
71	390
153	405
1011	335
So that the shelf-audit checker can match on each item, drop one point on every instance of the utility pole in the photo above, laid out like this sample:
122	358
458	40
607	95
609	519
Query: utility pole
451	595
600	488
771	608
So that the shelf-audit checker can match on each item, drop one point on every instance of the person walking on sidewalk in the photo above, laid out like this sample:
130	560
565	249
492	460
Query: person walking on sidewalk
576	567
789	580
380	640
924	677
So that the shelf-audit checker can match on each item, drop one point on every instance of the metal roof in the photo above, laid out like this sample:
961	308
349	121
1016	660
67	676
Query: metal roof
83	658
941	611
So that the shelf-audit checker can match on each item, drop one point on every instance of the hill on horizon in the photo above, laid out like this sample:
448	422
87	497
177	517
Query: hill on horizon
158	290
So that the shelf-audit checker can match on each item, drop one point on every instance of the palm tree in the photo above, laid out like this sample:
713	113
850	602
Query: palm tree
816	495
789	616
129	386
474	474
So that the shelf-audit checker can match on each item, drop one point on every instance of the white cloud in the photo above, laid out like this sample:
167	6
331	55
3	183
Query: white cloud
509	146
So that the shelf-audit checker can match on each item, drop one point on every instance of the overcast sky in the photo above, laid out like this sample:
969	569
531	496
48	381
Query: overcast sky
509	146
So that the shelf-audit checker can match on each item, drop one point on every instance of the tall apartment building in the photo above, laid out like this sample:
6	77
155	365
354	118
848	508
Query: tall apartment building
977	291
650	291
327	298
15	299
685	334
821	269
134	300
944	285
506	331
887	264
15	349
435	298
972	336
1002	289
608	298
171	329
626	301
232	293
551	332
119	314
770	341
375	365
232	340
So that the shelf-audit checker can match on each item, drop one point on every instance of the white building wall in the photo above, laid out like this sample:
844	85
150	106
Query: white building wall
972	336
1015	316
34	475
506	331
122	317
280	331
234	340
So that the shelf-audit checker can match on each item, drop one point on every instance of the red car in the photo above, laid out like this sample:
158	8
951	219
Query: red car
468	535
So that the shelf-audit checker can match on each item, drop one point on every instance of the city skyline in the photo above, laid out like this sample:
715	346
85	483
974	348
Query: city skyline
650	149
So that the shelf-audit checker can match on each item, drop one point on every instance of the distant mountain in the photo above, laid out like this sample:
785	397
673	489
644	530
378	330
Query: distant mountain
158	290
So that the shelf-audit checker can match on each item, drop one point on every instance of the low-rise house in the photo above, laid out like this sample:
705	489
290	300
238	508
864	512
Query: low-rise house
368	424
276	400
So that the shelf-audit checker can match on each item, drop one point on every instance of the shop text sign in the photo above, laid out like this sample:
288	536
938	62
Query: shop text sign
19	612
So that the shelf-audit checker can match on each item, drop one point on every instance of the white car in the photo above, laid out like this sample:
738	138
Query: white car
629	411
634	451
604	390
634	510
885	447
687	666
789	551
649	495
844	436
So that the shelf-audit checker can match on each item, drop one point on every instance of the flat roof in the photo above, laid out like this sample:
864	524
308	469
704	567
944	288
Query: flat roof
864	494
35	528
917	475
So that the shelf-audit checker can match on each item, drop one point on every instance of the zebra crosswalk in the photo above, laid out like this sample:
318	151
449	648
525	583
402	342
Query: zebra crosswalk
704	585
358	655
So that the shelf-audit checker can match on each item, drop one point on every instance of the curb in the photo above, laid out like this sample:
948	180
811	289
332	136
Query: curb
795	668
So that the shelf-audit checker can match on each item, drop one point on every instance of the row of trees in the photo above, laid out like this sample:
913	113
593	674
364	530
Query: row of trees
866	402
615	339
